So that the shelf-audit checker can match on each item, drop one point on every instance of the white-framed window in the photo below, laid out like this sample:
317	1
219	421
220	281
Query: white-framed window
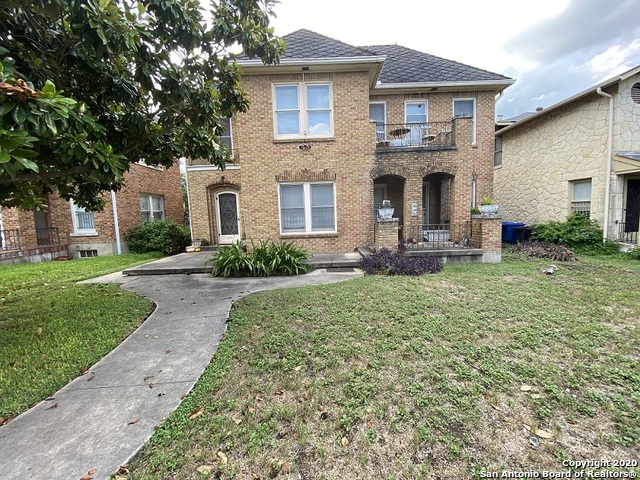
308	207
415	111
497	154
226	136
303	109
378	114
466	108
581	197
83	221
151	207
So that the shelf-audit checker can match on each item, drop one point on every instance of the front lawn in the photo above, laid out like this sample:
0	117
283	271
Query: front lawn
477	369
51	329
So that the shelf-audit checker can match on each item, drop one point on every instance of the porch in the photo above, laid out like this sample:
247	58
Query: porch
15	248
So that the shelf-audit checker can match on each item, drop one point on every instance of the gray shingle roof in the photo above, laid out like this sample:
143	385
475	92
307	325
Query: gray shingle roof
308	44
405	65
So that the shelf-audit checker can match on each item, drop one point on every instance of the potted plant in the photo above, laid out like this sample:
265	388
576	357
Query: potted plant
385	212
488	206
475	211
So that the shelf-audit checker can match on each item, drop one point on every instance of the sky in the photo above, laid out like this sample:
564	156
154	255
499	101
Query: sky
552	48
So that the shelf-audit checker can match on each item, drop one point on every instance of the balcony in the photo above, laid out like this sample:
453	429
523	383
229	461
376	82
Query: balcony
392	137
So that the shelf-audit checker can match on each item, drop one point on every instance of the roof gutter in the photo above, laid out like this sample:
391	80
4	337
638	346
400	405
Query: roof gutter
313	61
471	83
607	188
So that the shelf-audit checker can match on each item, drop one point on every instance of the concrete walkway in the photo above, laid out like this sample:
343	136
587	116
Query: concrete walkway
101	419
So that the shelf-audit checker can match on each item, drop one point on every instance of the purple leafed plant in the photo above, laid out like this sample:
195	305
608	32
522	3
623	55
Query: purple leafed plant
386	262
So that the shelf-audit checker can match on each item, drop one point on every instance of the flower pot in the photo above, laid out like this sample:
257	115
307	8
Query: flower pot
385	213
488	209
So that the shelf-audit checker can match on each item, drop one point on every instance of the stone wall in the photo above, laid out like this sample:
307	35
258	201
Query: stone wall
542	157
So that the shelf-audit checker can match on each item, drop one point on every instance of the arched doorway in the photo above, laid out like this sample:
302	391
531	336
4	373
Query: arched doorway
389	187
227	211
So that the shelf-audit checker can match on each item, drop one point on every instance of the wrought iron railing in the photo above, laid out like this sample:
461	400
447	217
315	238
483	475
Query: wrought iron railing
430	134
438	236
626	237
48	236
10	239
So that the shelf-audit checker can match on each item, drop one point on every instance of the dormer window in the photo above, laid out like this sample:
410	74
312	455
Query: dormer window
303	110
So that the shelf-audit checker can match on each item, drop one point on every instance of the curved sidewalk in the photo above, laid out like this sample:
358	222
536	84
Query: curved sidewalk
101	419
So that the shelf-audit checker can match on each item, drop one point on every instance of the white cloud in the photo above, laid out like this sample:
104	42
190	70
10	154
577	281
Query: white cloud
616	59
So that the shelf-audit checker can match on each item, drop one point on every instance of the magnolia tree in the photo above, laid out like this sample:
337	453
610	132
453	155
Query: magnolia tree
88	87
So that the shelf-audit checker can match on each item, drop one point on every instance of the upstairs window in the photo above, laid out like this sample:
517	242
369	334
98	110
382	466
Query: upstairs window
378	114
225	137
466	108
303	110
497	156
151	207
415	112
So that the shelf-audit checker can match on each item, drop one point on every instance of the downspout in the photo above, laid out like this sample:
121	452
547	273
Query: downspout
607	187
115	223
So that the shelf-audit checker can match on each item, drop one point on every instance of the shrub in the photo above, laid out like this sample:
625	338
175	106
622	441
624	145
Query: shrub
635	254
264	260
579	233
162	236
387	262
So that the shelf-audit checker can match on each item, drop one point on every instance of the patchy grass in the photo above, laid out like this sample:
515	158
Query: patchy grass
50	327
437	377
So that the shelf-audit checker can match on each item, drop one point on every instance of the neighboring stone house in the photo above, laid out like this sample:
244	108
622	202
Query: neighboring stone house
65	229
580	155
332	131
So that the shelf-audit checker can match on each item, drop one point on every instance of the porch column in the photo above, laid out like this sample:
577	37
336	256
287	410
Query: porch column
486	231
386	234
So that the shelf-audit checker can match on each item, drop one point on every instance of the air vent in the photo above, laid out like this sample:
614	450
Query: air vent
635	93
88	253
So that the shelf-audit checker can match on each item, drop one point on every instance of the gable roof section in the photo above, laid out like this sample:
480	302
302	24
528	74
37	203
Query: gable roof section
405	65
396	67
576	97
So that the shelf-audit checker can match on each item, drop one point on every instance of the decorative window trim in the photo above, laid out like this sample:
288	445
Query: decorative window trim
303	111
308	231
78	231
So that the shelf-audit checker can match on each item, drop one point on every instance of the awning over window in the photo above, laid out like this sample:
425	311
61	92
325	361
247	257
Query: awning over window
626	162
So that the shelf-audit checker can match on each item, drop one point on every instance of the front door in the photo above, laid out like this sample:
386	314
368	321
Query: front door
228	217
632	213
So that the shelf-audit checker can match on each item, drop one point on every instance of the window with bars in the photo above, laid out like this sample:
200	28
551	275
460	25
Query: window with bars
581	197
83	220
307	207
151	207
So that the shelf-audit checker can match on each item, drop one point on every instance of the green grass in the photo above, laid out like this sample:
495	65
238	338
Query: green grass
443	376
51	328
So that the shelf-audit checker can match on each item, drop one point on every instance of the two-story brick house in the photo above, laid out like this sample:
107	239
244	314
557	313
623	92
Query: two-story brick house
333	130
63	228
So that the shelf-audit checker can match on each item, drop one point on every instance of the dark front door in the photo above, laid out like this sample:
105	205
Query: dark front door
632	216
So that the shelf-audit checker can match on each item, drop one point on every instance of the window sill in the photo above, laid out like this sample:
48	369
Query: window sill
285	236
84	234
304	139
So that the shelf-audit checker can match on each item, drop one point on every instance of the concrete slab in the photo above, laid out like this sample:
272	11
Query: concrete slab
101	419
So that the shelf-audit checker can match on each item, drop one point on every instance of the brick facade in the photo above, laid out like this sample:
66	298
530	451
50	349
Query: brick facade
141	179
349	158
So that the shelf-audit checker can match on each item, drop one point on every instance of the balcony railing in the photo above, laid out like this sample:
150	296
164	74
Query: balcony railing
48	236
9	239
438	236
431	134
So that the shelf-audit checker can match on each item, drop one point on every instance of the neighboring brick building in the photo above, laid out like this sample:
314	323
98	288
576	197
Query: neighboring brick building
64	229
580	155
333	130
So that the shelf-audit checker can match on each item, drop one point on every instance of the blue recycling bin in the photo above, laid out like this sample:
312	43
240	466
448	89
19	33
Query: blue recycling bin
509	231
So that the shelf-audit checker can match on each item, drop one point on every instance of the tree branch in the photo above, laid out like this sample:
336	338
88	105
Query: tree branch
33	177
